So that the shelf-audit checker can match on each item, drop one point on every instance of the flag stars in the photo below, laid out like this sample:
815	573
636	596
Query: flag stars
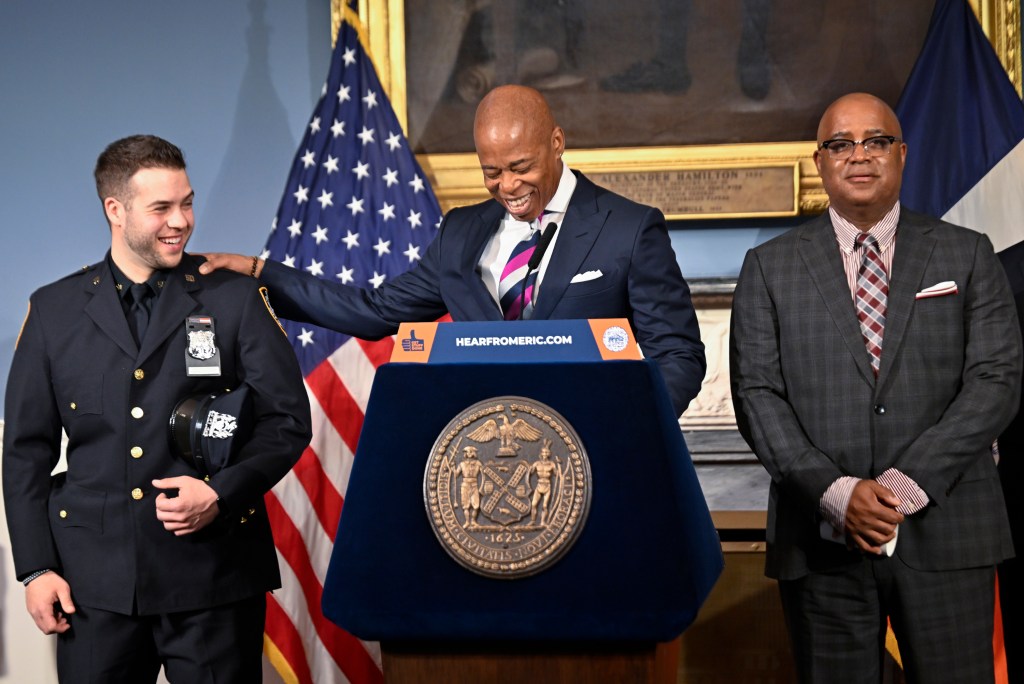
315	267
382	247
314	126
343	94
393	142
306	337
289	261
391	177
362	170
331	164
355	206
413	253
377	280
301	195
346	276
308	159
295	229
265	254
338	128
325	199
273	224
370	99
387	212
349	58
366	135
351	240
414	219
320	234
416	184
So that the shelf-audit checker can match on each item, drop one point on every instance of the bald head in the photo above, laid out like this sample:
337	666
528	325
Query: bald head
520	149
513	107
856	102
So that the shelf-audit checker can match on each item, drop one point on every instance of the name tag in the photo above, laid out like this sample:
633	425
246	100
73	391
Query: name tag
202	356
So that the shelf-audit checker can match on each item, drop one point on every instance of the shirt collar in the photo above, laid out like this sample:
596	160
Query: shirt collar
884	231
123	283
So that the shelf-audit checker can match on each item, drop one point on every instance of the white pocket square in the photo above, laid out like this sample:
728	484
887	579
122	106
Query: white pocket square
946	287
584	277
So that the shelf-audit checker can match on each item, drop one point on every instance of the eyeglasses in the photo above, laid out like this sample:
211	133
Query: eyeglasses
878	146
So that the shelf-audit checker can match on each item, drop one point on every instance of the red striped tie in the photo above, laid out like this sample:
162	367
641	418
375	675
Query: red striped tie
872	295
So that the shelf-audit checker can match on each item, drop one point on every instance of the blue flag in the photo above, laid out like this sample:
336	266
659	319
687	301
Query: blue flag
963	124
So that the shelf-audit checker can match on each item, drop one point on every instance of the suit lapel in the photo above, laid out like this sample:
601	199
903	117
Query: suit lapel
172	306
578	232
105	310
820	255
482	228
913	251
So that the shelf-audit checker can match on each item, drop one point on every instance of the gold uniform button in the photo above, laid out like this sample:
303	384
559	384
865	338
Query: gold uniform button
73	406
63	514
136	452
137	412
139	374
136	493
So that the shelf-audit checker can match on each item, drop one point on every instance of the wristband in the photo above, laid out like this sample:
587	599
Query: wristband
35	575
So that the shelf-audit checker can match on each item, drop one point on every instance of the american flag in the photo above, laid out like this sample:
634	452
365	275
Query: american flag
358	210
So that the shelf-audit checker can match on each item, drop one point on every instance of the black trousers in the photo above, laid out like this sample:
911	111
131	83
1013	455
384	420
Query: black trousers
220	644
943	622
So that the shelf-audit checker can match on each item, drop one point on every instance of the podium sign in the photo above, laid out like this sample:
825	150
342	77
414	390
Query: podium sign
641	566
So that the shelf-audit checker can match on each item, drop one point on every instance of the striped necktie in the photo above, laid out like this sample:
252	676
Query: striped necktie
872	297
515	291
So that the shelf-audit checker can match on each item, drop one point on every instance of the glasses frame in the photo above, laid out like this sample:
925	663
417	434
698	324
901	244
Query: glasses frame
827	146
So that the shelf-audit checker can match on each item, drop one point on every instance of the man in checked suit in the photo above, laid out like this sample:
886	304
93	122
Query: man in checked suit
885	501
130	557
609	257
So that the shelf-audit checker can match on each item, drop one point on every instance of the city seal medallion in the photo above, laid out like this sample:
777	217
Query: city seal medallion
507	487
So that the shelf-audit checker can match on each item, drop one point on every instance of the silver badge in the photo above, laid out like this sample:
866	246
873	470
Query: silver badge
219	425
201	344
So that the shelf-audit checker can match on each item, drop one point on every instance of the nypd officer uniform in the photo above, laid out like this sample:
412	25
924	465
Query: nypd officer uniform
78	368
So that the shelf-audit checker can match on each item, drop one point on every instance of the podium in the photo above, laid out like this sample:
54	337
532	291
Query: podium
611	608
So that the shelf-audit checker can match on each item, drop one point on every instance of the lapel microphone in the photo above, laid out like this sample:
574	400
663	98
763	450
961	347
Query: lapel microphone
531	266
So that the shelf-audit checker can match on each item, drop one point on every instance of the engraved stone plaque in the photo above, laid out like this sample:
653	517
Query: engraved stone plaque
713	192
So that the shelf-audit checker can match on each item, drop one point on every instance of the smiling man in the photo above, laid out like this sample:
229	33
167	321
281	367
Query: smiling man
607	257
875	356
132	557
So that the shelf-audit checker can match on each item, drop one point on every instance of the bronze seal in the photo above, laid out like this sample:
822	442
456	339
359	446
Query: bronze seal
507	487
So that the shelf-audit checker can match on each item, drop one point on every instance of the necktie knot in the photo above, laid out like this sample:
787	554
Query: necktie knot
141	292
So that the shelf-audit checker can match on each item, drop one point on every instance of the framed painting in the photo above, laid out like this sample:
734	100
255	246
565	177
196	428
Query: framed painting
715	100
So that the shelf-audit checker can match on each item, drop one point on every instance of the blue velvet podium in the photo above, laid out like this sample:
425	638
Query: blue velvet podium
635	578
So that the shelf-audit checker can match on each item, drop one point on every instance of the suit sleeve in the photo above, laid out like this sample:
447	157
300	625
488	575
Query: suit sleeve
32	434
663	315
990	383
369	314
267	364
764	415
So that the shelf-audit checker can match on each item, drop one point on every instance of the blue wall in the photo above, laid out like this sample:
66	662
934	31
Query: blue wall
232	82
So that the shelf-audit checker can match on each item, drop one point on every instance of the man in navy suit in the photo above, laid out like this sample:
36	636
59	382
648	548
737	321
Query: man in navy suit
131	556
885	501
609	257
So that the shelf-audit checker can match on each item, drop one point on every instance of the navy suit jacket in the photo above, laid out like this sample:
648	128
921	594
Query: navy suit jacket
77	367
810	407
626	241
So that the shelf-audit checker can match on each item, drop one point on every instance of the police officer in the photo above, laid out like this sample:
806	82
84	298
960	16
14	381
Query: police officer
130	557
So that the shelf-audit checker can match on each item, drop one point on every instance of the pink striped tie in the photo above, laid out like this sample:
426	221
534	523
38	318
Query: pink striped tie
514	290
872	296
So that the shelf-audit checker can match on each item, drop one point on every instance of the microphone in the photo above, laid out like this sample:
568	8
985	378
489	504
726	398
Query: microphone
542	246
534	262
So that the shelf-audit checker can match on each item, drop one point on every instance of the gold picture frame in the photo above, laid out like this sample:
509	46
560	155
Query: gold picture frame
456	177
